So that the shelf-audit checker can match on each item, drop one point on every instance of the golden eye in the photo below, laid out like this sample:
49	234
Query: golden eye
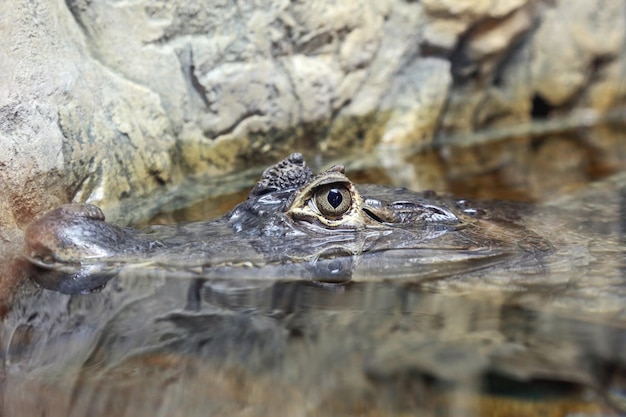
333	200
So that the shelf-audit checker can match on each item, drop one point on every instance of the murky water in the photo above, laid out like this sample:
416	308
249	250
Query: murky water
524	342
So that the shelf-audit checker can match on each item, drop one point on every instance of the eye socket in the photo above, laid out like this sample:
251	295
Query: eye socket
333	200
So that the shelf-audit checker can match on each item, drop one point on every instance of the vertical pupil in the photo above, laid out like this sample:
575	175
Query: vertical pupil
334	197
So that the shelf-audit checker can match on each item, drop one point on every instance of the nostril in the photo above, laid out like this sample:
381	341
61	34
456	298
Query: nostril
335	266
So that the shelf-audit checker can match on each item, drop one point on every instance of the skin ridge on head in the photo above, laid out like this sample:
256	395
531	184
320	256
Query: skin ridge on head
291	172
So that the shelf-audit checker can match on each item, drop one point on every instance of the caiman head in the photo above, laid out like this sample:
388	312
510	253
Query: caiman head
334	231
294	224
329	203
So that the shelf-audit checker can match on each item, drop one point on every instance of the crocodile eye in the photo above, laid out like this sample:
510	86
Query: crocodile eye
333	200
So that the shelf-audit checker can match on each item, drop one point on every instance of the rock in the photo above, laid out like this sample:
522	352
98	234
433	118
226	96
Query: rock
112	102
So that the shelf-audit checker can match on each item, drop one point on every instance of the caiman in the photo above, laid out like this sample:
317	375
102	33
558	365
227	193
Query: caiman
293	225
315	297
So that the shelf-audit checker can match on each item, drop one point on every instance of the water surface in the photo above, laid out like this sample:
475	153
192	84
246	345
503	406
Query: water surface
549	340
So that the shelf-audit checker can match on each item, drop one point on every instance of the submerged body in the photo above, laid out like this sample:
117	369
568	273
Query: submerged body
293	225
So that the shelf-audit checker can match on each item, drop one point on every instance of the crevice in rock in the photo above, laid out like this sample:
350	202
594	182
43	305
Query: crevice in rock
188	68
465	68
155	174
462	67
209	134
541	109
76	8
597	66
508	59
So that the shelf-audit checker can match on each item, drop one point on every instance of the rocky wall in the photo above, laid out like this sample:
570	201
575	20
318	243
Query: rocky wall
110	101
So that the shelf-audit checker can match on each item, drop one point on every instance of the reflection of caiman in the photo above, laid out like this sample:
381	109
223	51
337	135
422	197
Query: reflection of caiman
293	224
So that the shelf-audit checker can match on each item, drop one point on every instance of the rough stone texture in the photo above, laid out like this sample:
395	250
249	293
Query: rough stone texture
107	102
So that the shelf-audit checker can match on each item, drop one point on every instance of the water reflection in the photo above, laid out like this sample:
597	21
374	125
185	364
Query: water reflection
288	348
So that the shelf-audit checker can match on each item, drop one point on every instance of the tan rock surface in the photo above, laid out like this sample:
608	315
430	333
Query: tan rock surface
110	102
